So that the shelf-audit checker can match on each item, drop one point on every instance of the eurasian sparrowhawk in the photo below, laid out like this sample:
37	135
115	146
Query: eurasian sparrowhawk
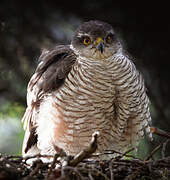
90	85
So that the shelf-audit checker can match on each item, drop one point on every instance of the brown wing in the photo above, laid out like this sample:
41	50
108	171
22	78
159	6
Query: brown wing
50	74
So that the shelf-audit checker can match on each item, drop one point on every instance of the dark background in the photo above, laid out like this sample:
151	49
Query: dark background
27	27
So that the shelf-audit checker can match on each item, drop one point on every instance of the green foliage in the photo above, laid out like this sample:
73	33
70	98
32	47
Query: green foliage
11	109
11	128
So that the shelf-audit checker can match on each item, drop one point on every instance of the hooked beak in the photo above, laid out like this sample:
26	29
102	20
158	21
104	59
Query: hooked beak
99	44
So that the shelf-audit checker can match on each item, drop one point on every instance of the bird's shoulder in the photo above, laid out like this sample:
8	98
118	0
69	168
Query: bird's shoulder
54	66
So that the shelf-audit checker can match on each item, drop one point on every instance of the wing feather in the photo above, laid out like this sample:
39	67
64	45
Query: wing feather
50	74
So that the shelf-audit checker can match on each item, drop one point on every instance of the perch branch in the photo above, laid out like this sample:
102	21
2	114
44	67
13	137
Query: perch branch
87	151
160	132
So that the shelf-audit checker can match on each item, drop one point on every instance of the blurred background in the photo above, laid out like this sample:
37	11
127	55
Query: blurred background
28	27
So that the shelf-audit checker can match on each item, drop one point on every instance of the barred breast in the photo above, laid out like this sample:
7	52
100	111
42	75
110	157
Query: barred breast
106	96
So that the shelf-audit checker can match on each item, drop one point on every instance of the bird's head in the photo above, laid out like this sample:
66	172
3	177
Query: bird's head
96	40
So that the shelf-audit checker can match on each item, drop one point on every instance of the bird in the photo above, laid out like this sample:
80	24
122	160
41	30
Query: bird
87	86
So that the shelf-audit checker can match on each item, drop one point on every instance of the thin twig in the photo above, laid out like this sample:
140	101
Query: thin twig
111	169
37	156
102	174
153	152
128	151
107	152
90	176
164	148
160	132
73	169
94	171
52	165
39	164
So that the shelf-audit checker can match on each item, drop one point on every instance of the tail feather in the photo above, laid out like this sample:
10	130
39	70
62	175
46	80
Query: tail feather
26	120
30	138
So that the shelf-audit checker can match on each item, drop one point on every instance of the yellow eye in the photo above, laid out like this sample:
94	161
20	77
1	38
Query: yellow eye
86	41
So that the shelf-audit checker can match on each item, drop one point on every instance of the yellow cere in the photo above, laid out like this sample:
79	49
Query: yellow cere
98	40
